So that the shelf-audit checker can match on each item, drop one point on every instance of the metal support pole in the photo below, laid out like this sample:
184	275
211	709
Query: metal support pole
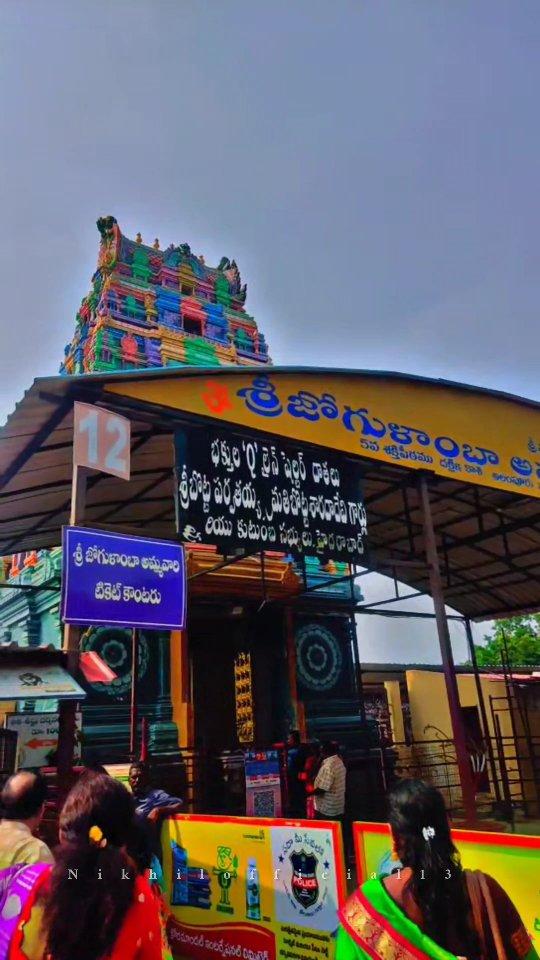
304	573
359	683
263	579
144	740
358	673
458	729
510	695
71	646
482	708
133	708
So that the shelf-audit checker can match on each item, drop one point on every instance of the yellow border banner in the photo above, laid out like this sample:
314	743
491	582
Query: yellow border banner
511	859
459	433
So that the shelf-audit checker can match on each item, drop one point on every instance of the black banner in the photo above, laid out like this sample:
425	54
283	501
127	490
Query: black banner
267	495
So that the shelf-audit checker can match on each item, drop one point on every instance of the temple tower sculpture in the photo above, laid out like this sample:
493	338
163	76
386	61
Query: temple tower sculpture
161	308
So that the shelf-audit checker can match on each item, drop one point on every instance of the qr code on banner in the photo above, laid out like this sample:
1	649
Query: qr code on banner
264	803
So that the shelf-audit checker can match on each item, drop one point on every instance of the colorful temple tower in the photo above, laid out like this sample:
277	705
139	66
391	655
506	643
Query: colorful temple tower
150	308
161	308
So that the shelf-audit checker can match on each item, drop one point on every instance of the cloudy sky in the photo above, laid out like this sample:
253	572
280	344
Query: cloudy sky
372	166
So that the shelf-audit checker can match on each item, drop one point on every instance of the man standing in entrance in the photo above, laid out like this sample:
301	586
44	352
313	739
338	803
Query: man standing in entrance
329	786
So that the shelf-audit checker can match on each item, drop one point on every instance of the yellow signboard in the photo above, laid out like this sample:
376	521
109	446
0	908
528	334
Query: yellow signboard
460	433
512	860
253	889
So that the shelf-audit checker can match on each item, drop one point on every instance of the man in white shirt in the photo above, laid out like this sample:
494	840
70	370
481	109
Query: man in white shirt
21	808
329	786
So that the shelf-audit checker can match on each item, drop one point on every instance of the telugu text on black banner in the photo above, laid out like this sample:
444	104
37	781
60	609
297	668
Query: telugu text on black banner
266	495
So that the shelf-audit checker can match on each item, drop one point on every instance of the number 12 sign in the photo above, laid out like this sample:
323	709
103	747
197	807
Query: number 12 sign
101	440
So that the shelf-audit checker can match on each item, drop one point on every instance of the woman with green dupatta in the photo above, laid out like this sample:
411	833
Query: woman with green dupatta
429	907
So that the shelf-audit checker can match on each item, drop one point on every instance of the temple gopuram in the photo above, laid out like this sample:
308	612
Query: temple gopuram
246	671
153	308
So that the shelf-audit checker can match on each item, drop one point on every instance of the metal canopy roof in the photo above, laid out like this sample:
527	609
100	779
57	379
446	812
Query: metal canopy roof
489	540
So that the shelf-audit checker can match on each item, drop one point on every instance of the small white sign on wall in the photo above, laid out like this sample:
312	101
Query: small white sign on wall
37	737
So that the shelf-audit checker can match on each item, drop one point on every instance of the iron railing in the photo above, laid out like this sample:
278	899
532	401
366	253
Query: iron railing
511	768
215	783
507	774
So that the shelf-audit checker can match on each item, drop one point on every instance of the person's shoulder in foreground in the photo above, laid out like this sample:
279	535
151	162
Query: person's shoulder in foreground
429	907
95	901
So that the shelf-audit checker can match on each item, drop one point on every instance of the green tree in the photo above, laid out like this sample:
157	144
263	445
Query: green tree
522	636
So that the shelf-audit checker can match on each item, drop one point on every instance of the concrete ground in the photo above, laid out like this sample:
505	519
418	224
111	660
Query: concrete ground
531	828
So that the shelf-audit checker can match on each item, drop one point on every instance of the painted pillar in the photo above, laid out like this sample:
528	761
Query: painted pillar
182	702
297	705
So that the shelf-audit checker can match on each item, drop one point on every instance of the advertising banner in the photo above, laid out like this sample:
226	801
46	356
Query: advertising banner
240	492
113	580
513	860
263	784
253	889
37	737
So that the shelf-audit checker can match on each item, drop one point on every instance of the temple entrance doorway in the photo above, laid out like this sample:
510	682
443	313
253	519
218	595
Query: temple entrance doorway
212	658
219	640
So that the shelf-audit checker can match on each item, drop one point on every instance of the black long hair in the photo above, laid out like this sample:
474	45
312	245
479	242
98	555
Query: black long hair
421	832
91	884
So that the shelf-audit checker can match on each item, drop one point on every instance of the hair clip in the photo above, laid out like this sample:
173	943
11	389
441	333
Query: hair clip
95	835
428	833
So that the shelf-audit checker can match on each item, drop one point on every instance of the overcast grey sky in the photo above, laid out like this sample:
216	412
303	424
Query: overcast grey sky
372	166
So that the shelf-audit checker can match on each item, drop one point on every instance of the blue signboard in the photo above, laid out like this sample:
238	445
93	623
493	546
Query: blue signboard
117	580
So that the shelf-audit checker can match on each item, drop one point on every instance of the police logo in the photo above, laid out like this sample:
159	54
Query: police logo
304	883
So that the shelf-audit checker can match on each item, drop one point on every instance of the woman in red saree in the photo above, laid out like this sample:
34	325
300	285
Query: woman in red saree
429	908
93	903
